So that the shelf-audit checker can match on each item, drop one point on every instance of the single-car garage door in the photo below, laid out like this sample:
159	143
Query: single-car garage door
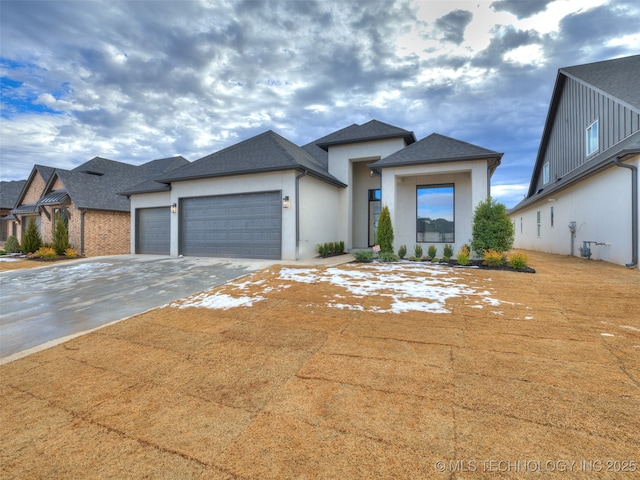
242	226
153	226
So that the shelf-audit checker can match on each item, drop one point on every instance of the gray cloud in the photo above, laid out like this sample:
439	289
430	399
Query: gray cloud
521	8
453	24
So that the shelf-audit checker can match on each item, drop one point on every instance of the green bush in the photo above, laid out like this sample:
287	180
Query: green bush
60	236
384	236
388	257
447	252
417	250
32	240
492	228
492	258
12	245
402	251
340	246
519	261
363	256
321	250
432	251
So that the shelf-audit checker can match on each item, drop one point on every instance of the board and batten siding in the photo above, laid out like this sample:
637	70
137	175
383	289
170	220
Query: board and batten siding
579	106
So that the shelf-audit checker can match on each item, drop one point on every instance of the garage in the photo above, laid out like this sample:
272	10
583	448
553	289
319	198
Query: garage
153	227
245	225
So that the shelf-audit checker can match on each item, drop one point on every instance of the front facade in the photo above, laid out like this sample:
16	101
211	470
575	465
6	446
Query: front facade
268	198
583	199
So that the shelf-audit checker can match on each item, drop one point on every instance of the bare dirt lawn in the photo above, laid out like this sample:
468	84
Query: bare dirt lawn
347	372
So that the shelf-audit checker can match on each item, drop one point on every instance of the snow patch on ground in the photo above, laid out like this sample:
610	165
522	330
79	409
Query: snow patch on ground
218	300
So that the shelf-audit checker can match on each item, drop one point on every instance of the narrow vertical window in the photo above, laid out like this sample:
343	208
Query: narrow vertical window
545	173
520	224
551	214
592	138
538	222
435	213
374	214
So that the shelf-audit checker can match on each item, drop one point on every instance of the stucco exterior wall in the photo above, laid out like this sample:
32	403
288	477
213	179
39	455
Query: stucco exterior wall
400	195
319	214
601	208
262	182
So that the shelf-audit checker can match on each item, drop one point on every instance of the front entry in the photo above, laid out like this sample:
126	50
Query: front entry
374	214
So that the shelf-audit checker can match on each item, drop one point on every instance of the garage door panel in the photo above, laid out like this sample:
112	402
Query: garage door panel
245	225
153	230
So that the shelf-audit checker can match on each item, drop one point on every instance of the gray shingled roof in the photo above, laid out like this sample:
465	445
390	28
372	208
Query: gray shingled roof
618	78
435	148
10	192
370	131
159	168
263	153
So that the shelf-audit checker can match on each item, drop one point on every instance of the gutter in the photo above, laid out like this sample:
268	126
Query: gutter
634	208
490	171
298	177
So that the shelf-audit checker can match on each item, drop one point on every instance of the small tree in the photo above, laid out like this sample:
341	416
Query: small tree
60	236
12	245
32	239
384	236
492	228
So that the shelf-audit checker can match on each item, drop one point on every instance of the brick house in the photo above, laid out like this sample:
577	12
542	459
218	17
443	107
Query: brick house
88	198
9	193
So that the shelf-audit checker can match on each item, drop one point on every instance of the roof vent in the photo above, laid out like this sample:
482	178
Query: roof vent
92	172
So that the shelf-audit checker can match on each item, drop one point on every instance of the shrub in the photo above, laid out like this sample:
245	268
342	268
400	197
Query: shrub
60	236
45	252
464	255
432	251
12	245
388	257
402	251
493	258
518	261
363	256
332	247
3	251
322	251
492	228
70	252
417	250
384	235
447	252
32	240
340	246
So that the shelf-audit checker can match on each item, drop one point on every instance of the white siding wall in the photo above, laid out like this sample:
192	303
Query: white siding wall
146	200
399	193
601	208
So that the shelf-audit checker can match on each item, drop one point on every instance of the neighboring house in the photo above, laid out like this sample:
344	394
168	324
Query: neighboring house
87	198
265	197
584	186
9	193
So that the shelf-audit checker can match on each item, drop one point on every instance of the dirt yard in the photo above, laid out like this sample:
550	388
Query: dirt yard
348	372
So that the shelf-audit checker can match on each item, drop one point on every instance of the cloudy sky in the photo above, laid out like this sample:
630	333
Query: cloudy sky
139	80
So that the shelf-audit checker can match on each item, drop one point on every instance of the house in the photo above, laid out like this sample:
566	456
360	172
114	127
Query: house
266	197
9	193
98	218
583	195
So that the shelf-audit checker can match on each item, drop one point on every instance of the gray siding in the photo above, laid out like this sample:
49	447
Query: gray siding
579	107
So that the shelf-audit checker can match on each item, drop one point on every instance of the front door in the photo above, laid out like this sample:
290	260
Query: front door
374	213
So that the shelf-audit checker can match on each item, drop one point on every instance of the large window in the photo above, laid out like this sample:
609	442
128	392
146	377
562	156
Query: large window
592	138
435	222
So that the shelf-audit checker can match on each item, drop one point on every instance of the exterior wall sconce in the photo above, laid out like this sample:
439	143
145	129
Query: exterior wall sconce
286	202
174	208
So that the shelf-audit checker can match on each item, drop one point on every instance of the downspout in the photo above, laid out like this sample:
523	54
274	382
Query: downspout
634	209
82	212
306	172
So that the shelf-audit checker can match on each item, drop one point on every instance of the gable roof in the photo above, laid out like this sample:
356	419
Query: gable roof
44	172
10	192
616	79
370	131
437	148
266	152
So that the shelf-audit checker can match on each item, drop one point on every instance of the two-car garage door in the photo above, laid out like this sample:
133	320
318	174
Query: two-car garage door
244	226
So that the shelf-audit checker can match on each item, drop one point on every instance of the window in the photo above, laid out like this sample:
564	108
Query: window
592	138
545	173
538	222
435	214
374	214
551	214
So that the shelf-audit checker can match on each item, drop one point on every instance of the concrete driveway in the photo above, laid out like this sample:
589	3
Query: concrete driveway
44	306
